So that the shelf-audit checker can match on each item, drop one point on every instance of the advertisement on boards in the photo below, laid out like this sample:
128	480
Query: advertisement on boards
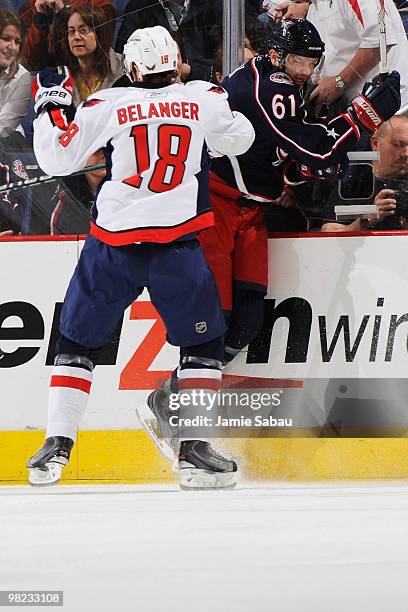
332	354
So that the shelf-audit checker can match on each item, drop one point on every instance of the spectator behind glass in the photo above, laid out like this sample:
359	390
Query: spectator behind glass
94	66
90	57
198	24
350	31
15	81
257	33
391	183
249	54
402	5
46	24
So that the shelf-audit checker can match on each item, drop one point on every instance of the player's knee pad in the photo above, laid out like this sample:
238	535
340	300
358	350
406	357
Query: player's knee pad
74	361
75	355
247	318
207	355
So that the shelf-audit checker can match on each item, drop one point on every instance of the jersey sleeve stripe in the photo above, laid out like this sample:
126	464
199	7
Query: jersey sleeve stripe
356	8
353	125
58	119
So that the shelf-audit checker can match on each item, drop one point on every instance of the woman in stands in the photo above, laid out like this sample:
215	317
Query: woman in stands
45	22
94	66
90	57
15	81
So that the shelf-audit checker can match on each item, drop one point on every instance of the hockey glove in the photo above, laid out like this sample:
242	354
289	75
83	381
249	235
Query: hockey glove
377	103
52	88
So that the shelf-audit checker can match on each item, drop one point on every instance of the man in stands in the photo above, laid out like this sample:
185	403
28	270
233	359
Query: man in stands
155	197
351	33
390	185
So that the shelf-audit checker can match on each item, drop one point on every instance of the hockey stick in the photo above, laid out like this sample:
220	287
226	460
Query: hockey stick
383	41
46	178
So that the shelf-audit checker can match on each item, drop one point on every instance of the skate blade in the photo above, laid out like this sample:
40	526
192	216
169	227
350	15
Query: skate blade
150	425
193	479
43	478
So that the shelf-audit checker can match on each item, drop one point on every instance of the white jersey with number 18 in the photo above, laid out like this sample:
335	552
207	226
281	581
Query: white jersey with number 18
156	143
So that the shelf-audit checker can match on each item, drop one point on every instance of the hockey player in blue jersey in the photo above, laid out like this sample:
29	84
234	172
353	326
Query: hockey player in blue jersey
289	147
153	200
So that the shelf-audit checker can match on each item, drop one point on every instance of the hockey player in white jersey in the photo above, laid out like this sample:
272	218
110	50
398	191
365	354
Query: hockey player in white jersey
156	134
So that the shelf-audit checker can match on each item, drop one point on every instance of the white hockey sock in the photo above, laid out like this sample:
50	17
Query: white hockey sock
198	395
67	400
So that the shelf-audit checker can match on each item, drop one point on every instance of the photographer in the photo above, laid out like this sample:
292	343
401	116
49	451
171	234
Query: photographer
390	187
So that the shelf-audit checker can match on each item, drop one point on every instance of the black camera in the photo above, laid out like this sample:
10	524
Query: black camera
400	188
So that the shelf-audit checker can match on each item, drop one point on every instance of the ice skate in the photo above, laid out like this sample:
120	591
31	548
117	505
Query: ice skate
46	466
202	468
154	416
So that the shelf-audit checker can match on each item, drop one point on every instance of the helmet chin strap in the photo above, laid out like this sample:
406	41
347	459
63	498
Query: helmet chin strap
135	75
281	59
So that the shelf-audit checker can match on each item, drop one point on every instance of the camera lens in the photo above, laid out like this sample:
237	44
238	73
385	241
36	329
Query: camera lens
400	188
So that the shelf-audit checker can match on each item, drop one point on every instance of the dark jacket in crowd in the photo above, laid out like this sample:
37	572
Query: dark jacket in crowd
199	32
45	33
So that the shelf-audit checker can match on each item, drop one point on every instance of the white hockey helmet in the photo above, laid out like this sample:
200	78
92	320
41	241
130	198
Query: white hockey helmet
152	50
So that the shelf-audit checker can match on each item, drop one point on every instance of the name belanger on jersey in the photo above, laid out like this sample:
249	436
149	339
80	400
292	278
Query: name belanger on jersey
140	112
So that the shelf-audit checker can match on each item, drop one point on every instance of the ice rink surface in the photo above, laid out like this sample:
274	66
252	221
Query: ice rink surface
275	548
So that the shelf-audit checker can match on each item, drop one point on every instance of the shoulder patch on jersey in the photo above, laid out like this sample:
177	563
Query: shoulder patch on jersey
281	77
204	86
19	169
93	102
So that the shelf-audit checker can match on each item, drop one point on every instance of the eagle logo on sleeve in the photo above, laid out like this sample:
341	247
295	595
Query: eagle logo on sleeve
217	89
92	102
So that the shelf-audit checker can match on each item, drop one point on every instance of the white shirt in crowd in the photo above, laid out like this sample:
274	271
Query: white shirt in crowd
15	96
348	25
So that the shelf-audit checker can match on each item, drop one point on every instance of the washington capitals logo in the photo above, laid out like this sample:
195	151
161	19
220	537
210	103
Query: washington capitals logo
92	102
